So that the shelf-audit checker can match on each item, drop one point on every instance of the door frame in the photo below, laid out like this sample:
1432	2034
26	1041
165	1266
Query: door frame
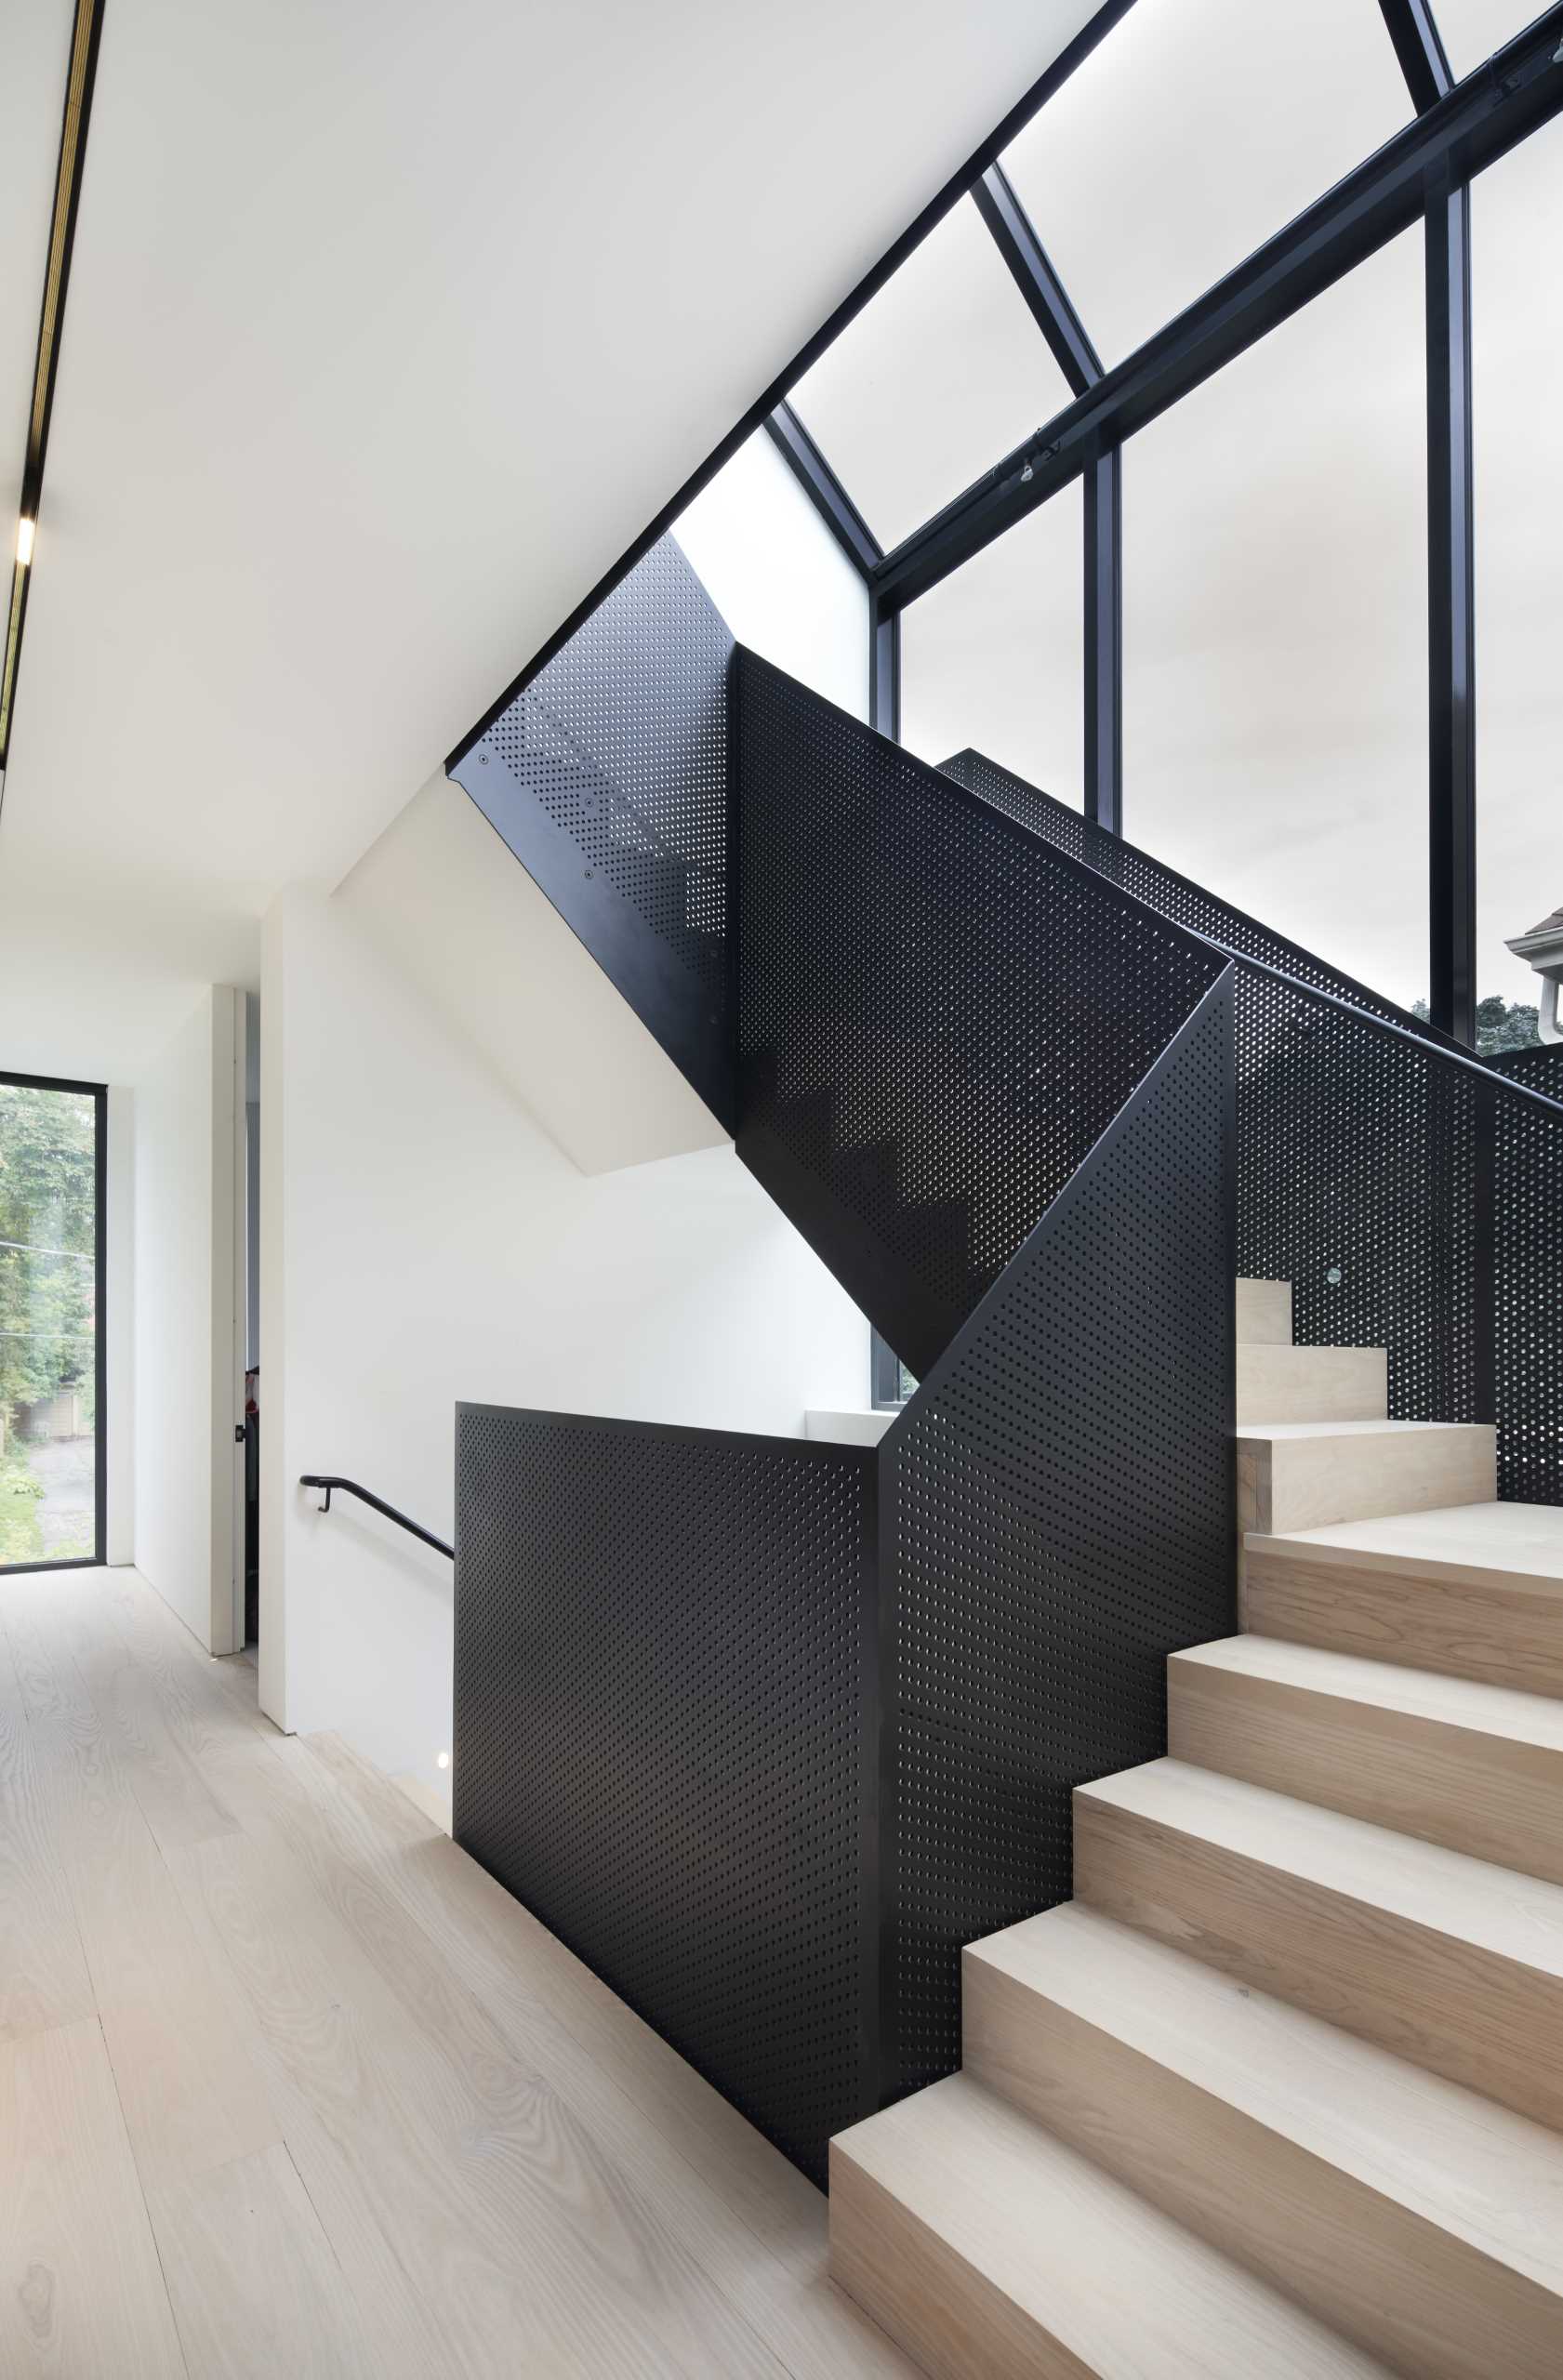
98	1094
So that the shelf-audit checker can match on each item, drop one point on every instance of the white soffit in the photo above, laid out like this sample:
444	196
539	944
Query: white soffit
389	329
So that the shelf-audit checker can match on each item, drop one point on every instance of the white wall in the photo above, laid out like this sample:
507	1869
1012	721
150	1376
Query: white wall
423	1240
119	1322
458	915
777	576
185	1205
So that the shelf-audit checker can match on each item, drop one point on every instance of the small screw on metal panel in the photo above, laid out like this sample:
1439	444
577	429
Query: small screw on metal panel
1333	1277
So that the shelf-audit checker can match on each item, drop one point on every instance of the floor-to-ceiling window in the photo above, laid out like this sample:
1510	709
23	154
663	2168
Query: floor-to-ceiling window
1275	536
1517	211
51	1279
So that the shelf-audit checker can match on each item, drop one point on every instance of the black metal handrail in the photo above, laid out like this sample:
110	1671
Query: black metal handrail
1103	848
1429	1049
352	1487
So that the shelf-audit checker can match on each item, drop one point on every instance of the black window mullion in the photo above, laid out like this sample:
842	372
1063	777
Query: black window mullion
1419	46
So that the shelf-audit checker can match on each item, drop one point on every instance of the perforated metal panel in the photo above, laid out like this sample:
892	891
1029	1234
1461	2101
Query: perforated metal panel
1528	1302
1408	1201
1058	1518
666	1699
607	777
1161	888
1541	1068
938	1014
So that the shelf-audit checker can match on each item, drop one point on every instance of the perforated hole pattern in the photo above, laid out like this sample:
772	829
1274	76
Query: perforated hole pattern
1412	1207
936	1016
665	1683
622	740
1058	1501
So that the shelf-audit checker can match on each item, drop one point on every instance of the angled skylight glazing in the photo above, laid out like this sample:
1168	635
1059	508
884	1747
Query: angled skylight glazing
1517	337
1194	131
940	375
1275	588
994	656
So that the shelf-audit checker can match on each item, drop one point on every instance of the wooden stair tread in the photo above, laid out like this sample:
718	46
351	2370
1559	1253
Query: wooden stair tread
1466	1703
1283	1382
1294	1475
425	1797
1514	1544
1263	1314
1470	1902
959	2222
1477	2171
1267	1431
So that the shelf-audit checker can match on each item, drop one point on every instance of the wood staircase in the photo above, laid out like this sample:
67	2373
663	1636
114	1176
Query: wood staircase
1281	2092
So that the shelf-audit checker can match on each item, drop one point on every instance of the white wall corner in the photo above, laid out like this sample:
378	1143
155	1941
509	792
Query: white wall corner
185	1384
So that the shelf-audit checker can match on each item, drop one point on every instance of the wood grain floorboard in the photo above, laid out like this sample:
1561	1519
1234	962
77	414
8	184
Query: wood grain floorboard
775	2264
255	2288
82	2295
43	1978
384	2125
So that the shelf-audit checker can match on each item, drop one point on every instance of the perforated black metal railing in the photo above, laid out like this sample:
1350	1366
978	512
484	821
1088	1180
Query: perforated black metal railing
766	1731
609	778
1002	1073
1404	1190
938	1014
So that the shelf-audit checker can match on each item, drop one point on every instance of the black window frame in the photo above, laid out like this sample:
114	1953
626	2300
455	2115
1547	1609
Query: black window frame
1425	172
98	1092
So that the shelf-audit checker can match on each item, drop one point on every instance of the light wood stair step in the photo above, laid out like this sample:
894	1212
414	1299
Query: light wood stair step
1265	1313
1475	1591
1412	2216
1307	1474
1443	1959
1478	1768
984	2245
1312	1383
425	1797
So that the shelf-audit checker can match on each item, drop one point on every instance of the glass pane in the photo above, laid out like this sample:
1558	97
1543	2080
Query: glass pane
1471	30
1517	211
939	376
1276	630
777	574
49	1298
1194	131
992	657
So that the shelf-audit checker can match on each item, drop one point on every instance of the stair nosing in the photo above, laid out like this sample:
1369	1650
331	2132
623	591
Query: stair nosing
1395	1687
978	2250
1204	2061
1411	1857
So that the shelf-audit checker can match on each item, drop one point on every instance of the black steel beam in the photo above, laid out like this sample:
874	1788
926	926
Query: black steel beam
1452	620
1104	641
824	490
884	671
1482	118
1031	269
1419	46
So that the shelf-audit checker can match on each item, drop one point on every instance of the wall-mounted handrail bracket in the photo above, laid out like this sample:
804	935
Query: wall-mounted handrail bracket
326	1482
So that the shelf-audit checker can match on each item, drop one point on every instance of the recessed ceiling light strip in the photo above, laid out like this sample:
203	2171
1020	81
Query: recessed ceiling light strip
84	37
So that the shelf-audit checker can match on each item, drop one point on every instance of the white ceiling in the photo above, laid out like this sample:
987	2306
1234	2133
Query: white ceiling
389	329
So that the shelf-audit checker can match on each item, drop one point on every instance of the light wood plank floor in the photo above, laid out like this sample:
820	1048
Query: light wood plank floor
289	2086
